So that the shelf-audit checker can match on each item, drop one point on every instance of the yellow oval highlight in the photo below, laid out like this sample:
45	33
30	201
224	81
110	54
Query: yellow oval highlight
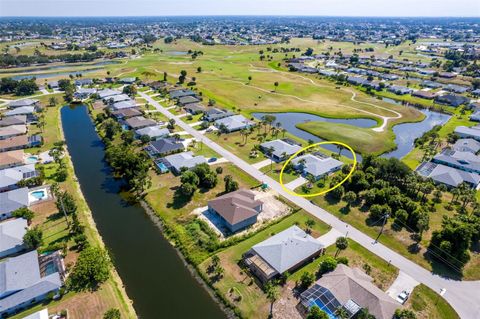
311	146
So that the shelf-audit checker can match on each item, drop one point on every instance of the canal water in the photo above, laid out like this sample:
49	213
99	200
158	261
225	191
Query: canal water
153	273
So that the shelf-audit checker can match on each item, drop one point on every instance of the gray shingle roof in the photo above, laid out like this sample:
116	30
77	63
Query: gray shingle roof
287	248
107	92
185	159
23	102
17	273
123	105
317	166
280	147
153	131
447	175
166	145
464	161
21	111
11	234
467	145
13	120
12	200
468	131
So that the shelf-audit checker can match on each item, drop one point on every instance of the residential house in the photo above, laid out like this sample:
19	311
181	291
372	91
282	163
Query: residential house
424	94
12	130
53	85
13	120
11	236
153	132
281	149
11	159
399	90
28	111
476	92
456	88
42	314
130	80
13	200
467	145
164	146
284	252
464	161
20	142
185	160
213	114
84	93
126	113
356	80
431	84
195	108
22	103
123	105
352	290
185	100
82	82
176	94
117	98
233	123
449	176
447	75
316	165
26	281
475	116
468	132
138	122
238	209
452	100
10	177
105	94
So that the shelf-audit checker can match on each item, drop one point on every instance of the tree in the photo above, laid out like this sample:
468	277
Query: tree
91	269
249	79
306	279
199	69
112	313
404	314
26	87
350	197
52	101
23	212
189	177
272	294
316	313
187	190
130	90
230	184
33	238
275	85
341	243
328	264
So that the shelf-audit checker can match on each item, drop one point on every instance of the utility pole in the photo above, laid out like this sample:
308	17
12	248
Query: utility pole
385	217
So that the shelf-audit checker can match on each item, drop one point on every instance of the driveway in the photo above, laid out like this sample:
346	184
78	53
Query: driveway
261	164
296	183
329	238
403	282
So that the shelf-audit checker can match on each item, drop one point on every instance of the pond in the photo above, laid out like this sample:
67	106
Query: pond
177	53
405	134
154	275
291	119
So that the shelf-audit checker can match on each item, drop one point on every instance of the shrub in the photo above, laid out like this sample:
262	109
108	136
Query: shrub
328	264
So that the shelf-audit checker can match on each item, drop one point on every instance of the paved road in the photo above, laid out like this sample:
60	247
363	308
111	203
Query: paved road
464	296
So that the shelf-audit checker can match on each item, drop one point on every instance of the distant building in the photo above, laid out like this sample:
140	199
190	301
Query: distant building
399	90
452	100
238	209
24	102
82	82
449	176
286	251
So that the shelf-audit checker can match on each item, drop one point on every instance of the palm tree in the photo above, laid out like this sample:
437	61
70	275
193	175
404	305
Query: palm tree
270	151
283	132
272	294
249	79
341	243
52	101
341	313
276	85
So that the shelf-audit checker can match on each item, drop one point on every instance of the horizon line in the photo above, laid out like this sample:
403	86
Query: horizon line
239	15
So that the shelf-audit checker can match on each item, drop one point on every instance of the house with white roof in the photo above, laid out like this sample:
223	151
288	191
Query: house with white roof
153	132
316	165
11	236
10	177
24	102
280	150
285	251
177	162
234	123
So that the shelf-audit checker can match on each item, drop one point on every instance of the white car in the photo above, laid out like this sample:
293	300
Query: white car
403	296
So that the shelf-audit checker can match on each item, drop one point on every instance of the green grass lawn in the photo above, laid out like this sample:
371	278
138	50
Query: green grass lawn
427	303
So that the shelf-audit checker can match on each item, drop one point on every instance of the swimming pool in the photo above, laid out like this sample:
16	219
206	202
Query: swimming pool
39	194
323	307
50	268
31	159
162	167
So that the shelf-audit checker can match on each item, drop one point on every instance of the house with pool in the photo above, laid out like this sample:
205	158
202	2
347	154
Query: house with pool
22	197
12	159
29	279
350	289
316	164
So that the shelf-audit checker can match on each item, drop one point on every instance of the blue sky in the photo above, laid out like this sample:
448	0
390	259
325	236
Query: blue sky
452	8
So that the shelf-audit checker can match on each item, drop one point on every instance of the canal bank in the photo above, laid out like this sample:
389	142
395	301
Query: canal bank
154	275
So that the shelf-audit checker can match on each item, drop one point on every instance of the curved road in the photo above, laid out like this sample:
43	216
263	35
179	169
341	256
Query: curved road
464	296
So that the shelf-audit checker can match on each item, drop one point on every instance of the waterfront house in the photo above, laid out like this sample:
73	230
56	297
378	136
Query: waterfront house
316	165
238	209
185	100
399	90
13	120
449	176
20	142
424	94
464	161
138	122
351	290
84	93
185	160
11	236
28	279
281	149
164	146
126	113
11	159
468	132
456	88
28	111
82	82
467	145
153	132
213	114
13	200
452	100
12	130
285	251
10	177
106	93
